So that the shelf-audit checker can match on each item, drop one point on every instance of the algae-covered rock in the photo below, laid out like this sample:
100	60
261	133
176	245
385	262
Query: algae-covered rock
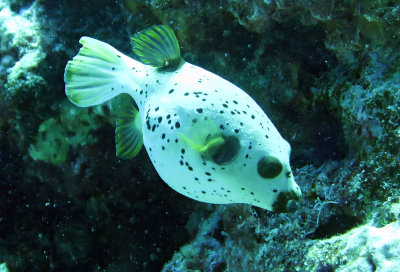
56	136
366	248
21	51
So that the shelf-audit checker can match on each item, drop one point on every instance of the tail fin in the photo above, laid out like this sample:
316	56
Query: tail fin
97	74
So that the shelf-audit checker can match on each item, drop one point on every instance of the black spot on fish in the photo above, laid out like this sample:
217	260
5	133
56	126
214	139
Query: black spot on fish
183	151
199	110
190	168
274	190
225	105
163	147
236	131
181	162
171	91
266	136
252	116
251	193
163	136
153	128
148	125
159	119
234	101
113	68
177	125
186	94
203	192
156	109
168	116
196	178
208	174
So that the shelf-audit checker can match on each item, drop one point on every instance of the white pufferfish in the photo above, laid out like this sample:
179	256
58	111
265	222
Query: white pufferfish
207	139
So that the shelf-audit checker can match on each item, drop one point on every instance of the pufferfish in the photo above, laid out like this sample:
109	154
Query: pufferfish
207	139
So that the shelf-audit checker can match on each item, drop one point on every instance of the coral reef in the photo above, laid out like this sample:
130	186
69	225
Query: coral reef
326	72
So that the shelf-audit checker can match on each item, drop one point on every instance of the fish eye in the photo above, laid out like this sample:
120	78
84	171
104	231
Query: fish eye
227	151
269	167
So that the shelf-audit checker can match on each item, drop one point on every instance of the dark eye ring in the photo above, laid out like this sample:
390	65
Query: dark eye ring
269	167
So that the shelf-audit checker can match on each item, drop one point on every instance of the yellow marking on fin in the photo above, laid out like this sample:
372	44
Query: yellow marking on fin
204	137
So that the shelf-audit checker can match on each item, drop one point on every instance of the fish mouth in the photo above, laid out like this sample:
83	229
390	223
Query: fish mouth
287	202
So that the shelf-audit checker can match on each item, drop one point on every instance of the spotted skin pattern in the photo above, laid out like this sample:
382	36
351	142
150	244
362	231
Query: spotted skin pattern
169	103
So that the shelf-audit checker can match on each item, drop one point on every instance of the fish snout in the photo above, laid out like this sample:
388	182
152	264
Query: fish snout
287	202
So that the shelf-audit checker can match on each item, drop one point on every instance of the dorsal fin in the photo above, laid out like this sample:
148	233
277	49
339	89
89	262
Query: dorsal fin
157	46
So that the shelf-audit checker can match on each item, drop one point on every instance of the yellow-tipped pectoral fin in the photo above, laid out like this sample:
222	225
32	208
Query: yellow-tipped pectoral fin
204	137
207	139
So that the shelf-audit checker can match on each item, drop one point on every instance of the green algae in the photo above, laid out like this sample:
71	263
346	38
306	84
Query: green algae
57	135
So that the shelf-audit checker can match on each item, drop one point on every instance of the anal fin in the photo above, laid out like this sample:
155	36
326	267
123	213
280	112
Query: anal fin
128	132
